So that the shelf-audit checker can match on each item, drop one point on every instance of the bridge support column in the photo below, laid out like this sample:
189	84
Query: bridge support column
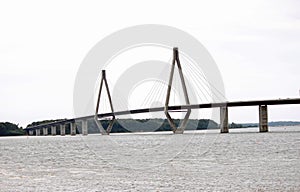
30	132
53	130
224	119
84	127
45	131
73	128
263	118
37	132
62	130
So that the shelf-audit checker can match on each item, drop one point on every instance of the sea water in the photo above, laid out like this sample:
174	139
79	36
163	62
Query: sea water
242	160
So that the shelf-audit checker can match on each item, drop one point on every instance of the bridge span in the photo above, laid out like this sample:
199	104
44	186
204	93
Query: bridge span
262	107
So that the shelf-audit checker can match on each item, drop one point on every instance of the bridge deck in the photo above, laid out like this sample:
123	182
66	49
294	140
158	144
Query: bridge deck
176	108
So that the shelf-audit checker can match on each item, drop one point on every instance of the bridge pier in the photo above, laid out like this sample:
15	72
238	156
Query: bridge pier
62	130
263	118
45	131
73	128
224	120
53	130
179	130
84	127
30	132
37	132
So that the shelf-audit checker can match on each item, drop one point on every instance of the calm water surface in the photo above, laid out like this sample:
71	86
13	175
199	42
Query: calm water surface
242	160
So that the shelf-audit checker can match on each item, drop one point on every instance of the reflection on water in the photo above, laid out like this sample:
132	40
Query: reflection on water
197	160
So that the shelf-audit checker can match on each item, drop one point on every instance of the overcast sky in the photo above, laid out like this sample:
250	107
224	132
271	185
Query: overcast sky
256	45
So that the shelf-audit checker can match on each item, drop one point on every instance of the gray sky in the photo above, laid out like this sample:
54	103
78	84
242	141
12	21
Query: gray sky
256	45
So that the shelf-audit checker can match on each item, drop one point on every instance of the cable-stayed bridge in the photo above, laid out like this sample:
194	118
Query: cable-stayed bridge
186	108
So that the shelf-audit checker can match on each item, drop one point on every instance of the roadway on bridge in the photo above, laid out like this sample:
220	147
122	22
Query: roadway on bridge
176	108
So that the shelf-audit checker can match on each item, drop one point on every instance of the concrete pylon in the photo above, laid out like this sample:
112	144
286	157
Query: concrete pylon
182	125
31	132
37	132
73	128
224	119
45	131
62	130
108	129
53	130
263	118
84	127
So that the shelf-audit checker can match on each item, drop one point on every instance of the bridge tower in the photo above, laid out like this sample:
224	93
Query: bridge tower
183	124
97	120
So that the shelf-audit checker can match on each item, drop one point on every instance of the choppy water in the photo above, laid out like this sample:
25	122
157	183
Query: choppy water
242	160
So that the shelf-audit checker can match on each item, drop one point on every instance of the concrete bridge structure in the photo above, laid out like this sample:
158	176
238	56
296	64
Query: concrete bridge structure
224	106
187	107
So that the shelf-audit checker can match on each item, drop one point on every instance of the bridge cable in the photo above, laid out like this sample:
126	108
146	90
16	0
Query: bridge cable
208	83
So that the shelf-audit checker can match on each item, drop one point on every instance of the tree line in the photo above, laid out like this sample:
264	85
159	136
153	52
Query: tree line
119	126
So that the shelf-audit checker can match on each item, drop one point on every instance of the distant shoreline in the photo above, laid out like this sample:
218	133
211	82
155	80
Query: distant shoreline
9	129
